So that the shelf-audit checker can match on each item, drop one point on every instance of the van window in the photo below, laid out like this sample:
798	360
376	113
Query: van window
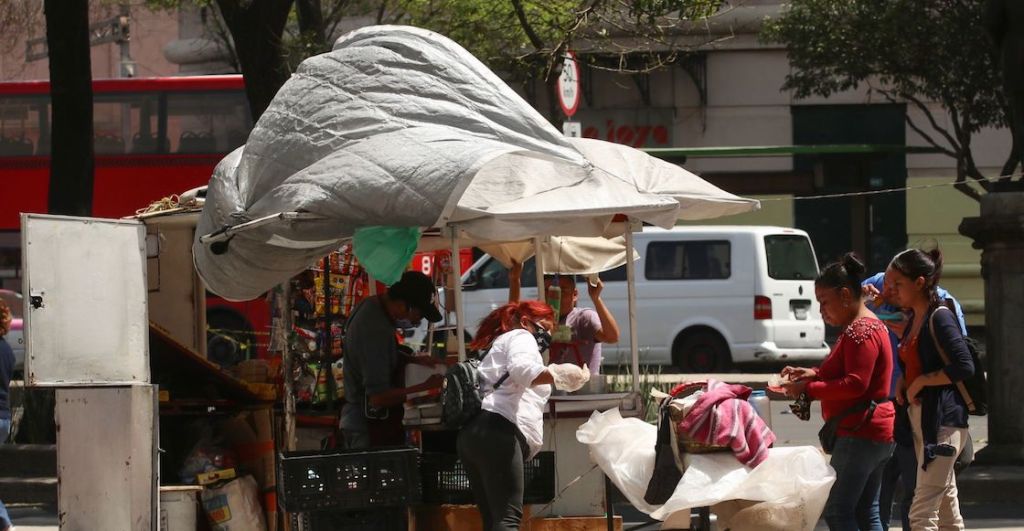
493	275
614	275
692	260
790	257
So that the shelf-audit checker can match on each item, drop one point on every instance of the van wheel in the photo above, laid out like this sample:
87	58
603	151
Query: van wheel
702	352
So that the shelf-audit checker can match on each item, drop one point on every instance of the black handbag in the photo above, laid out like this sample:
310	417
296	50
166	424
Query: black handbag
666	472
828	433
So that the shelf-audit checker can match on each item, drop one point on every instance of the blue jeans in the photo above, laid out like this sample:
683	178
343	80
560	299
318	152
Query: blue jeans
853	501
5	430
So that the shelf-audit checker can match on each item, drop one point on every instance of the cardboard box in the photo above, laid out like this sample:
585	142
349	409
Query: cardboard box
467	518
571	523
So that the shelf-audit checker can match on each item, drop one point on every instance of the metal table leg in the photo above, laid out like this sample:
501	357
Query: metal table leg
609	509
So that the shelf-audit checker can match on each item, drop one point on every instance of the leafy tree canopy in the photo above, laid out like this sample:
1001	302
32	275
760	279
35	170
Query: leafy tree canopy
917	51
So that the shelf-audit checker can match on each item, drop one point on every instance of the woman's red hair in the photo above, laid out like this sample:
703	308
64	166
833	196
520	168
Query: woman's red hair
507	318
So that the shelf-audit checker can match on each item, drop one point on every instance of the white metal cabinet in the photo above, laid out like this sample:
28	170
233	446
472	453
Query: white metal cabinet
107	459
86	317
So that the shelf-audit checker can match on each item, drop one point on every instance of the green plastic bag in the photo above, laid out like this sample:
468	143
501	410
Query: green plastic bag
385	251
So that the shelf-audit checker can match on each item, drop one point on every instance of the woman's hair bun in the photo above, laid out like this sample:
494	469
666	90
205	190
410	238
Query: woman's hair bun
853	265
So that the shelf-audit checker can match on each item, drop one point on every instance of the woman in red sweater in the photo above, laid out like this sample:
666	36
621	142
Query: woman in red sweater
853	386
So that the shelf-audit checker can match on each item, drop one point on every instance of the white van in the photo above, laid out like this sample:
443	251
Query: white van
707	297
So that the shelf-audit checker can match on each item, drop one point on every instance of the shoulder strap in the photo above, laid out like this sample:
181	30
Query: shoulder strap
851	410
945	358
869	405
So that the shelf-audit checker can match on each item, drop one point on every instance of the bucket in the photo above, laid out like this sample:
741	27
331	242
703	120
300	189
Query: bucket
178	507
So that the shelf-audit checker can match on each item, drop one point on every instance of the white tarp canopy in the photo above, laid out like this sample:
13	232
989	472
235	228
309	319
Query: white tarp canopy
399	126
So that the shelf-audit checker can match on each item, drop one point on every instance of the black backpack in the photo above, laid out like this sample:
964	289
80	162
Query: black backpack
461	396
973	390
977	385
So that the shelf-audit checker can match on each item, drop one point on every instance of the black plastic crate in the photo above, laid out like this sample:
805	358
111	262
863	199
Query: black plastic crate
445	479
349	520
348	480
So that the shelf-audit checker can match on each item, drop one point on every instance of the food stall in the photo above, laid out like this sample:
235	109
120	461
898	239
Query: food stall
436	143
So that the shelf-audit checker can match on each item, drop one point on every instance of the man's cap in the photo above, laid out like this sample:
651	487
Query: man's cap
418	290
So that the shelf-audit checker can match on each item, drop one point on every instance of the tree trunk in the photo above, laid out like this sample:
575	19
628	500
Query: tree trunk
256	27
311	23
71	155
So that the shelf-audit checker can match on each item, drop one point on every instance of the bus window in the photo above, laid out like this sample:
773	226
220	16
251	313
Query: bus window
24	126
126	123
207	122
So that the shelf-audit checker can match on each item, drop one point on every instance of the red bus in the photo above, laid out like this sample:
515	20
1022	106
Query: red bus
153	137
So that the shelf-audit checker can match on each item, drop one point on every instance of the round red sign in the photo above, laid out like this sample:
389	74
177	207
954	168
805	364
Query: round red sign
568	86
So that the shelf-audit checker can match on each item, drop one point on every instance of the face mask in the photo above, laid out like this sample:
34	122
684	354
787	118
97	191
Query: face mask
542	336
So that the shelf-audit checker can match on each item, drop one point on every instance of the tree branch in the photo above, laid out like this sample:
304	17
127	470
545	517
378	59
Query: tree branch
931	119
913	125
967	190
311	21
535	39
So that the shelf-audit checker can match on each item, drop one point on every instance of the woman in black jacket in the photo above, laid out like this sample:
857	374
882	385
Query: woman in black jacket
932	362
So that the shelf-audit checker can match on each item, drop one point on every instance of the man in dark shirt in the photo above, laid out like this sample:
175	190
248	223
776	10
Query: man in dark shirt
372	360
6	369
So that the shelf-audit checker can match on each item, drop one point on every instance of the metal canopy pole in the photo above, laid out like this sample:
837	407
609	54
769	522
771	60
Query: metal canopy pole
456	280
634	349
538	263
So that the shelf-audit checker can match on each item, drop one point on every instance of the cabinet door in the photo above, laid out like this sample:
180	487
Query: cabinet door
86	320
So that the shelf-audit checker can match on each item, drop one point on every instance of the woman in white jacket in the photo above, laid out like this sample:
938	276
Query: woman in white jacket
509	428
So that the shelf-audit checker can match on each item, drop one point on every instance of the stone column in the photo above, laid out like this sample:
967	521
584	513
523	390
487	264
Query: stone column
999	233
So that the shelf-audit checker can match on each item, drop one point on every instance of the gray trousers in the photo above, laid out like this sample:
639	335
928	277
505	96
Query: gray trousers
490	449
935	506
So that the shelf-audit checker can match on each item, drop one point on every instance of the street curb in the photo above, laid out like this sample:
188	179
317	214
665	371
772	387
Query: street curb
986	485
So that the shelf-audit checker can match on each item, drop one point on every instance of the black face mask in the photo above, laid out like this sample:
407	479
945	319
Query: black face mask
542	336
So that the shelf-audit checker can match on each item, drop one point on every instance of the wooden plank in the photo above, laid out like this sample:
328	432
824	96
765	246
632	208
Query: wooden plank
572	523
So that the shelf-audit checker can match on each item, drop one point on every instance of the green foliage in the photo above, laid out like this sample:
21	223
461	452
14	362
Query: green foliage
622	382
923	50
523	38
490	30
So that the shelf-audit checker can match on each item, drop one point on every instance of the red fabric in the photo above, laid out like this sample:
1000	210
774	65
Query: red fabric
723	417
911	360
859	368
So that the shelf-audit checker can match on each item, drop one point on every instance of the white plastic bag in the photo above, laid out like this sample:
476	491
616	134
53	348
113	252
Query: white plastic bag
788	489
234	506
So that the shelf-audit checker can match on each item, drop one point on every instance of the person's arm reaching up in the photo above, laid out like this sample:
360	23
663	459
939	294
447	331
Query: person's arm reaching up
609	332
